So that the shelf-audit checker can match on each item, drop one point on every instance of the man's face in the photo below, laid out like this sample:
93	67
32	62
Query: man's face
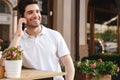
32	15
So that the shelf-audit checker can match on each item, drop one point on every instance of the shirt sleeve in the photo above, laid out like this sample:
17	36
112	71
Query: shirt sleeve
62	46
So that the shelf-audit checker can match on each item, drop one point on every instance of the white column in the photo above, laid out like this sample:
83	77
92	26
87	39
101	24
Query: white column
12	4
15	21
67	21
13	25
83	50
82	22
62	19
58	15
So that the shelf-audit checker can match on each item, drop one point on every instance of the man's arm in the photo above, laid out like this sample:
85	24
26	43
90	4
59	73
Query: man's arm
69	67
18	34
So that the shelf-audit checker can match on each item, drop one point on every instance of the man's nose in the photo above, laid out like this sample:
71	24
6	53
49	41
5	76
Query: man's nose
35	14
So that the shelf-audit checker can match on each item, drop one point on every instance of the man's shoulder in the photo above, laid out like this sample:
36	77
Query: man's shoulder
50	31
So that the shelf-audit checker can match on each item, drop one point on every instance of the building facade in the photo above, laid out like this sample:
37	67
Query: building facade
62	15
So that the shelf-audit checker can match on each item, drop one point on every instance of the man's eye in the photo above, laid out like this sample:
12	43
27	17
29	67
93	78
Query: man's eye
30	12
38	11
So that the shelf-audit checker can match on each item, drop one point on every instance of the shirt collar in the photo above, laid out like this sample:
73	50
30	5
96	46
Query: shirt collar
43	32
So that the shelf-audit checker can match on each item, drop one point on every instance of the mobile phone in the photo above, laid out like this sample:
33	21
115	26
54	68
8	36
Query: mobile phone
23	24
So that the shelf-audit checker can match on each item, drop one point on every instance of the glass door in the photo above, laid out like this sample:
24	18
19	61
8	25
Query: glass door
46	7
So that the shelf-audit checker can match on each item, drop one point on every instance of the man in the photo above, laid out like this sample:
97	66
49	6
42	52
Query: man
43	48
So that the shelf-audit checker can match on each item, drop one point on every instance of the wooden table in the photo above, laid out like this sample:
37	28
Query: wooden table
28	74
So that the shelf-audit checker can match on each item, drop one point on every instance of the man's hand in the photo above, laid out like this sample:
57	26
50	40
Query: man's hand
19	29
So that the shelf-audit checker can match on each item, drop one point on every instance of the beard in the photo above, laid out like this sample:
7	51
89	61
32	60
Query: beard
33	24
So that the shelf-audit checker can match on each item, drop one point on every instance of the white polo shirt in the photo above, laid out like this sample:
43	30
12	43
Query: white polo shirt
43	51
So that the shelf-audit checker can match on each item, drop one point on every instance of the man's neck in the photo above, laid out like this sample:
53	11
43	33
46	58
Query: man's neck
34	31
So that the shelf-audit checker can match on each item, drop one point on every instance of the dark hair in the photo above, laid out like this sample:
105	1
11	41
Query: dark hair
22	5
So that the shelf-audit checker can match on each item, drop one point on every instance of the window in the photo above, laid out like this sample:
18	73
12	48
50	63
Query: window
3	7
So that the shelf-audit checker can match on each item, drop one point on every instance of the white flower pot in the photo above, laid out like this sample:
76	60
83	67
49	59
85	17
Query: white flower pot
13	68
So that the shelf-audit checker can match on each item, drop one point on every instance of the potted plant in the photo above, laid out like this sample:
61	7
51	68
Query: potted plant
13	61
96	68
